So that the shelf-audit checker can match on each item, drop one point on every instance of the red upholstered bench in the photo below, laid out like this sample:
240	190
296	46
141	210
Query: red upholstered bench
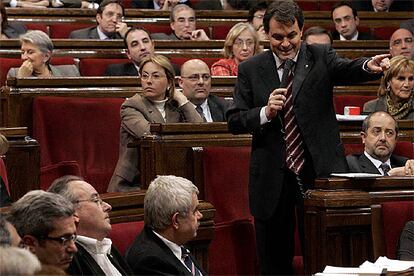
350	100
233	250
179	60
85	130
402	148
97	66
388	220
123	234
51	172
3	175
63	30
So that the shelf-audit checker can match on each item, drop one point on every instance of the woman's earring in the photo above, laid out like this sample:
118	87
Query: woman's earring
388	87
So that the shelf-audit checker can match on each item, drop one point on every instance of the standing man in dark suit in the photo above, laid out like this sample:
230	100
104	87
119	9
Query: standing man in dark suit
96	255
281	168
379	135
110	26
346	21
195	81
171	219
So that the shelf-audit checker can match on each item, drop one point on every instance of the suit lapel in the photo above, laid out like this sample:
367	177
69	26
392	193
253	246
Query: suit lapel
153	113
303	66
366	165
268	71
214	111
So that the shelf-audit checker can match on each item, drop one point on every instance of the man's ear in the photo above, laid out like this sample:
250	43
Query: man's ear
128	54
172	26
98	18
174	220
357	20
363	136
30	243
180	82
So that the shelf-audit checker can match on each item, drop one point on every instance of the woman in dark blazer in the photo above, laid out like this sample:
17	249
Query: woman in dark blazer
396	91
159	103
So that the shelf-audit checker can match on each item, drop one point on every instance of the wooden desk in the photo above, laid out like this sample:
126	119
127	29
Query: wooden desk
22	161
338	218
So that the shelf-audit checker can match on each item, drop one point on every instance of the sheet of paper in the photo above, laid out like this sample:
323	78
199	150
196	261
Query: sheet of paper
356	175
340	117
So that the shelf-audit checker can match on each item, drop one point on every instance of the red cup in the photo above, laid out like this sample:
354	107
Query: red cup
352	110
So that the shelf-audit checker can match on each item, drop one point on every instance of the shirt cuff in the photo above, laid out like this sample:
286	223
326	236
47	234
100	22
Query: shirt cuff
13	3
365	67
263	118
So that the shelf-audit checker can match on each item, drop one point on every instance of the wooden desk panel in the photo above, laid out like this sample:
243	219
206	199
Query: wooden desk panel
22	161
338	218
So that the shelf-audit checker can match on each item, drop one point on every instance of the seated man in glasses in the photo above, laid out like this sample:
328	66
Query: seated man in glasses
195	82
46	223
96	255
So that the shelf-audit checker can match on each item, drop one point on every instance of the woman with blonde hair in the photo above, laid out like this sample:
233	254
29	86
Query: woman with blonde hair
159	103
395	94
241	43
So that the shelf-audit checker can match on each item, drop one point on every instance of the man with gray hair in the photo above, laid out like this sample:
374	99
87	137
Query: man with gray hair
46	223
183	24
96	254
171	219
8	234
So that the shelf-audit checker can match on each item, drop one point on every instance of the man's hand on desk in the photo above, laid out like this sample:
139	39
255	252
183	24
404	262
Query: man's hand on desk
407	170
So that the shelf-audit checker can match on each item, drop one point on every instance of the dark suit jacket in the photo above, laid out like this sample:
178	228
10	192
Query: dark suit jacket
361	36
149	255
218	108
88	33
84	264
318	69
123	69
359	163
149	4
14	30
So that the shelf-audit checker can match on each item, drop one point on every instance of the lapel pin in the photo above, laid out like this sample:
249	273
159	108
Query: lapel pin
306	66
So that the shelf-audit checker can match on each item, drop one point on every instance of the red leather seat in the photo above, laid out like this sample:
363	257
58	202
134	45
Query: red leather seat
3	175
123	234
51	172
97	66
85	130
63	30
350	100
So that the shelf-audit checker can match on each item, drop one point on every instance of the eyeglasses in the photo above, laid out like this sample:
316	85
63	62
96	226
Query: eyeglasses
95	199
196	77
239	43
63	240
156	77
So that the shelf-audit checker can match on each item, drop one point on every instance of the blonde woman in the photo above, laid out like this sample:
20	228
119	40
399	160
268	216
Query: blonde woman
396	91
159	103
241	43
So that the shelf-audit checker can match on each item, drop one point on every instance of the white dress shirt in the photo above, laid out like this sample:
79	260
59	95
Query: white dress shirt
377	163
99	250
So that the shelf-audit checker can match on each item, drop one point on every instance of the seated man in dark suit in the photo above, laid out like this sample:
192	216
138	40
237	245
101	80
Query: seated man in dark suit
183	25
139	45
346	21
195	81
379	134
110	26
171	219
96	255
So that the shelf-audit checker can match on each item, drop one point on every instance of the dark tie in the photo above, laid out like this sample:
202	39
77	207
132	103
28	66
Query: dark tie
185	255
199	109
385	168
294	144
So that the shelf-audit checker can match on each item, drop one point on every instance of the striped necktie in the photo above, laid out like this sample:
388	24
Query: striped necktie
199	109
385	168
295	158
185	255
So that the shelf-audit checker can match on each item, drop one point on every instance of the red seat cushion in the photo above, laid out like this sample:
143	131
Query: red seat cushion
51	172
64	30
123	234
3	175
97	66
85	130
180	60
38	26
350	100
395	215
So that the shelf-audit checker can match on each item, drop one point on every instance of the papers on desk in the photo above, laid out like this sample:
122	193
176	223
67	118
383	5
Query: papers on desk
340	117
356	175
380	267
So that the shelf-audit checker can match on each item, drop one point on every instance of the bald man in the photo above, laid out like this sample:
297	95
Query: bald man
195	82
401	43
